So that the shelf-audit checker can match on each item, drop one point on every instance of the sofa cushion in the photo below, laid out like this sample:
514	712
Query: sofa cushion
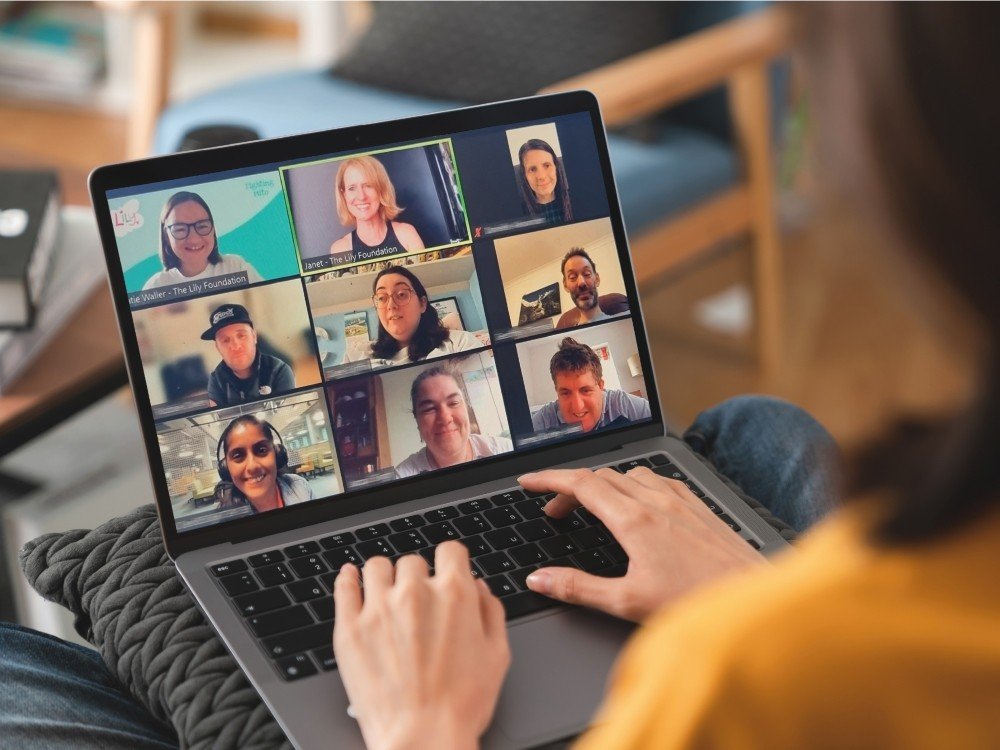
487	51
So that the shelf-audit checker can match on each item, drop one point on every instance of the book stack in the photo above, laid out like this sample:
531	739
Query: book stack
50	260
51	50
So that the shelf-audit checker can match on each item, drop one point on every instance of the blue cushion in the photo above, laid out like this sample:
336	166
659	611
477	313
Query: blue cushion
655	180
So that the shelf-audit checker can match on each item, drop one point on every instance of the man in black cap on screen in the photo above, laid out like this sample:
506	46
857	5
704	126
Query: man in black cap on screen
244	374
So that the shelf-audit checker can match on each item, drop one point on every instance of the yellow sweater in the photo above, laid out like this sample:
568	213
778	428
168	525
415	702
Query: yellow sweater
840	645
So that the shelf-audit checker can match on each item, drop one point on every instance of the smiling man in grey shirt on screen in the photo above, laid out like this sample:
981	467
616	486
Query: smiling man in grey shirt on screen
581	397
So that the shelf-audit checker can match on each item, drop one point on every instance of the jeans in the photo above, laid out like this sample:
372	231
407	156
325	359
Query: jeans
55	694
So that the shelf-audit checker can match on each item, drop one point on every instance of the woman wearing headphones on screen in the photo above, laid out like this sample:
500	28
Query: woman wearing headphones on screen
252	458
543	184
189	245
366	200
409	328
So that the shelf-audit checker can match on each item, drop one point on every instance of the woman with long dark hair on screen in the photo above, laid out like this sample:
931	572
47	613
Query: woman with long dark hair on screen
542	182
409	328
366	200
253	466
189	244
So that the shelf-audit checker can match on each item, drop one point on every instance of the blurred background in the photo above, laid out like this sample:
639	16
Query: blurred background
750	281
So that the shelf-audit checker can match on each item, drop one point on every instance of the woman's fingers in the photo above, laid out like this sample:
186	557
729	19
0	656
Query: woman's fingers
590	489
347	596
377	576
576	587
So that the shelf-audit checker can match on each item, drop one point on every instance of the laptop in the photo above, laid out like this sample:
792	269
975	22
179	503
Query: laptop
350	343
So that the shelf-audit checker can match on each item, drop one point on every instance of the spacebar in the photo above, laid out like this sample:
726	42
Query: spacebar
524	603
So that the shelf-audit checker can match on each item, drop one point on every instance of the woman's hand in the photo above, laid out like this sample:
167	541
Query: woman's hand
422	658
673	541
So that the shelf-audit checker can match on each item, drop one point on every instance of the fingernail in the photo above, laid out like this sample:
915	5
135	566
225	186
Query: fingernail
540	581
529	475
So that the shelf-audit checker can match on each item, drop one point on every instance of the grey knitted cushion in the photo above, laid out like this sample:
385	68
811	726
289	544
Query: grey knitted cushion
485	51
129	602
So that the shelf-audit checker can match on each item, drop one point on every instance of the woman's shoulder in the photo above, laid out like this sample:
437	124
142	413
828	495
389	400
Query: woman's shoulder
343	244
460	341
406	233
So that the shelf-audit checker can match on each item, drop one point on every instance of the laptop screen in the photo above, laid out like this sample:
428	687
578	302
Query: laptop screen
311	329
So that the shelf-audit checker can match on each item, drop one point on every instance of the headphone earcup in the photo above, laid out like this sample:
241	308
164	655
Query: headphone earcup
281	455
224	474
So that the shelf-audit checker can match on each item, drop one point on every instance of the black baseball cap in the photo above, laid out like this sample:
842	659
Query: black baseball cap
225	315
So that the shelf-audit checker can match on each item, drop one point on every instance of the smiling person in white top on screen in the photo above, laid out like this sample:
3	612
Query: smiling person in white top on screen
189	245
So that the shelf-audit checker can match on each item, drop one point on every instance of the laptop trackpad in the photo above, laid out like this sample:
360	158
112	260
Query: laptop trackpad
560	669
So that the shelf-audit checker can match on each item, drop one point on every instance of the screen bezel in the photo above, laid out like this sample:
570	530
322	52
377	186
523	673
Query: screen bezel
309	146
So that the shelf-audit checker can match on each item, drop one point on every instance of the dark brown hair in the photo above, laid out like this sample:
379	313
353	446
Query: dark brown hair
909	128
562	183
572	356
577	252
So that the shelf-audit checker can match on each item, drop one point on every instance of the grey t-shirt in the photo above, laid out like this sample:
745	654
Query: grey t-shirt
482	445
619	406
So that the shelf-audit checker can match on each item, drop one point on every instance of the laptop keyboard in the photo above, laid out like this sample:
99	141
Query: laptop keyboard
285	595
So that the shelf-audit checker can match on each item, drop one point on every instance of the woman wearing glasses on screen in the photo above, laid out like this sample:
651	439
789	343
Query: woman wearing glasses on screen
189	245
366	200
542	182
409	328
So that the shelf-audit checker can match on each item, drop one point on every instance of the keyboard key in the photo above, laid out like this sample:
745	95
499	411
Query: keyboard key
474	506
407	522
658	459
588	518
615	571
476	545
266	558
312	565
428	555
275	575
531	508
500	517
337	540
615	553
558	562
261	601
695	489
671	472
338	557
592	560
327	579
228	568
532	531
558	546
440	532
729	522
303	591
635	463
518	576
503	538
527	554
544	494
753	543
372	532
477	572
505	498
374	548
322	608
590	537
712	506
500	585
569	523
441	514
407	541
303	548
496	563
473	524
325	658
280	620
295	641
239	583
296	667
525	603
